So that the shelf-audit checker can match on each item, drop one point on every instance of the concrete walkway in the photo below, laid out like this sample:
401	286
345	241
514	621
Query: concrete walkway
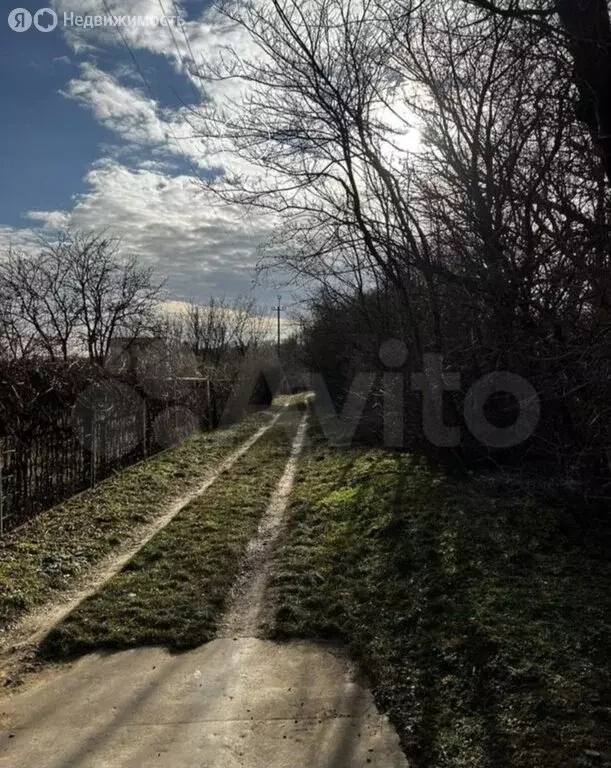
244	702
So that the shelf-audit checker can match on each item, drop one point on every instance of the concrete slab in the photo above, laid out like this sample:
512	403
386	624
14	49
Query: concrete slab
243	702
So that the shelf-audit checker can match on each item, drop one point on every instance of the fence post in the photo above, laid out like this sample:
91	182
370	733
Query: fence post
144	430
208	405
1	495
93	448
103	447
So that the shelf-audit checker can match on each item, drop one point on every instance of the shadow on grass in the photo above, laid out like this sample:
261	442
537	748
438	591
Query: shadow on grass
483	633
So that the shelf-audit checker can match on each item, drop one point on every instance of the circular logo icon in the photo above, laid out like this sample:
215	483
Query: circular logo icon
45	20
20	20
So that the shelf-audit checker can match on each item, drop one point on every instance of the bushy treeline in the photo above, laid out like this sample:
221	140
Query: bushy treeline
36	395
570	376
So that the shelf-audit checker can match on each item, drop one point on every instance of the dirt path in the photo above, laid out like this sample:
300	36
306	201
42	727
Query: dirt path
247	603
17	645
237	702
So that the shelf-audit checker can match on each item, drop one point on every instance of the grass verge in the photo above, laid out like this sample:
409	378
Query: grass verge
484	632
174	590
47	555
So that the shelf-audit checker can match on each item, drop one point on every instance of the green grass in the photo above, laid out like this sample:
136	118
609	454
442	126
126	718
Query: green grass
174	590
47	555
484	632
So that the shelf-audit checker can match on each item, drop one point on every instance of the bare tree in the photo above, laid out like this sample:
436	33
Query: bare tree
17	338
207	329
251	326
40	293
117	295
77	291
322	142
220	328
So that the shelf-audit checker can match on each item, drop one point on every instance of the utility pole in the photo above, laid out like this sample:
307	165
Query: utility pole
278	309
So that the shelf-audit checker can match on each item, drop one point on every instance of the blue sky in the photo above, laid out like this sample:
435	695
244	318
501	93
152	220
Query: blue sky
47	142
84	144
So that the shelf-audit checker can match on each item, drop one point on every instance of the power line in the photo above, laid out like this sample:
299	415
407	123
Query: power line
131	53
180	56
148	85
187	41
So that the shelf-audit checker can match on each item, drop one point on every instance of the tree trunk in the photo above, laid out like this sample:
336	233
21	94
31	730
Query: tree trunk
587	23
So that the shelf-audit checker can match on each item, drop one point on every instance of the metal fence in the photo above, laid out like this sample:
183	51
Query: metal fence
56	461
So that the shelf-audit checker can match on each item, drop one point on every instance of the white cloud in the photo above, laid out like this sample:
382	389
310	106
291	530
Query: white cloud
165	40
137	118
198	243
17	239
50	219
123	110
